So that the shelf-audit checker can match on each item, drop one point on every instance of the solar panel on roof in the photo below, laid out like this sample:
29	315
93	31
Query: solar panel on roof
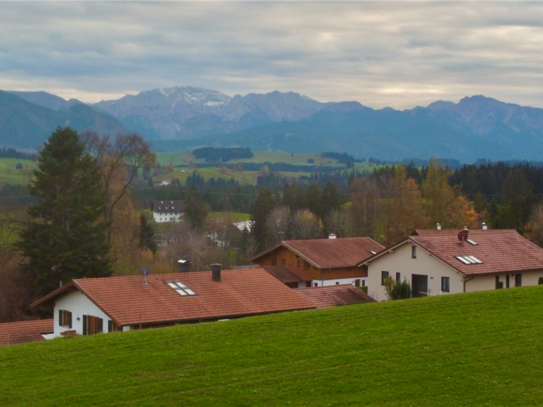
463	259
472	242
474	259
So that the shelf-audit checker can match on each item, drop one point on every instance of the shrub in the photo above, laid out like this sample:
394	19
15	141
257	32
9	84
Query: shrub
364	289
396	290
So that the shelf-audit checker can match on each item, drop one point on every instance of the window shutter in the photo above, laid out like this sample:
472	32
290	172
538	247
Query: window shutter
84	324
100	325
60	317
109	325
70	319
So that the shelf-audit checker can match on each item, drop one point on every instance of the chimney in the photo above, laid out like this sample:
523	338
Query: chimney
332	236
216	272
184	265
438	226
484	226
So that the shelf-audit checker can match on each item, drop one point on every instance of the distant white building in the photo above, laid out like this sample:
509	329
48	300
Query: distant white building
168	211
244	225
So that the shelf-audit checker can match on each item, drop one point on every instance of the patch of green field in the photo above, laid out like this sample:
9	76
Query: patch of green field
185	157
233	216
245	177
9	174
481	349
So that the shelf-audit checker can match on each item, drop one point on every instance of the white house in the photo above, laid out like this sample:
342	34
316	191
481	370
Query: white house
94	305
439	262
168	211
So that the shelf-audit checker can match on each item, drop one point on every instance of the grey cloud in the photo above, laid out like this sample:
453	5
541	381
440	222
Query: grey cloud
381	54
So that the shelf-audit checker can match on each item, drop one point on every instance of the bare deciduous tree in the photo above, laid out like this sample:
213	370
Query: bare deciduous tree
128	152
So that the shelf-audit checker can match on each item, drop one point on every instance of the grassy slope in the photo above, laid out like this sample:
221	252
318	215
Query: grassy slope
232	216
470	349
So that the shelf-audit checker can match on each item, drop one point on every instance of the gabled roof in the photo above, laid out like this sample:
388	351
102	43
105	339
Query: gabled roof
333	295
168	206
285	275
241	292
330	253
499	250
12	333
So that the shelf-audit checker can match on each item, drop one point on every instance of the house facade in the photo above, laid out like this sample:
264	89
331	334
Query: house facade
322	262
168	211
441	262
117	304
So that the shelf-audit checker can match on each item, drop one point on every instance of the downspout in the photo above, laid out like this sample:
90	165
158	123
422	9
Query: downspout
465	281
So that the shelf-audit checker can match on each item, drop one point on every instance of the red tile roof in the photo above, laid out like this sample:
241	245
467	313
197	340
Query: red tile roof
331	253
242	292
24	331
330	296
285	275
499	250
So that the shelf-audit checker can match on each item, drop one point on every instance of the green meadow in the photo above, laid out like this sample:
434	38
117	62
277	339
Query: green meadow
481	349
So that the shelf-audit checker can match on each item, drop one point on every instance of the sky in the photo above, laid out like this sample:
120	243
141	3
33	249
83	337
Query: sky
400	55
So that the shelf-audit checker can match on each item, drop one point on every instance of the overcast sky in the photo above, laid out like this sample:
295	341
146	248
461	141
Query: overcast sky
380	54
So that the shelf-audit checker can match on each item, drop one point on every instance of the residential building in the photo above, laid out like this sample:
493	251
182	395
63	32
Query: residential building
13	333
439	262
321	262
94	305
168	211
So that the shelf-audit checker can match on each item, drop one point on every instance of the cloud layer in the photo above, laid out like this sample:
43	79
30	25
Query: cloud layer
381	54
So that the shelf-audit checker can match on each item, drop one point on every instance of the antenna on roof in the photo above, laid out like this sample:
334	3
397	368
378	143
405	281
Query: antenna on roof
145	271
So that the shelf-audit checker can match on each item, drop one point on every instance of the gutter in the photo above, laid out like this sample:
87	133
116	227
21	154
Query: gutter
466	280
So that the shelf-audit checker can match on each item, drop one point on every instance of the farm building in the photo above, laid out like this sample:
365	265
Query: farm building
320	262
168	211
438	262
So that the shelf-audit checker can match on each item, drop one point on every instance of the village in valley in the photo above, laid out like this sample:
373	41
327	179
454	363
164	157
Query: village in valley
271	204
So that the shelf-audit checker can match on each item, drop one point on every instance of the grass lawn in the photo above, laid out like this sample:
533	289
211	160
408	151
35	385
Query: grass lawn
244	177
482	349
10	175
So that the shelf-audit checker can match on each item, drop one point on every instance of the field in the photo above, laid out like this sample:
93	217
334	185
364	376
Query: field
233	216
185	157
9	174
481	349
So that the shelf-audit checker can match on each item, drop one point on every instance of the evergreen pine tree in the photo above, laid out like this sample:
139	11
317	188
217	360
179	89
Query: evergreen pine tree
147	235
264	204
65	236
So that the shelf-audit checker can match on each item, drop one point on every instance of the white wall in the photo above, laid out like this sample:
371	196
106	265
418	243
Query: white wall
338	281
400	261
167	217
488	282
78	304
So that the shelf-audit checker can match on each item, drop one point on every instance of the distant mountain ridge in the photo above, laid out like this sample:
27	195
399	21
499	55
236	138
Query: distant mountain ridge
24	124
475	127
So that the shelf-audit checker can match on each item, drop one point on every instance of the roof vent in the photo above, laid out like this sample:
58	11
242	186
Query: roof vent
332	236
216	272
184	265
484	226
438	226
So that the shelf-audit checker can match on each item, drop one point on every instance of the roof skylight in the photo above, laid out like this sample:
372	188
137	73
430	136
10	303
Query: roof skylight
472	242
469	259
181	288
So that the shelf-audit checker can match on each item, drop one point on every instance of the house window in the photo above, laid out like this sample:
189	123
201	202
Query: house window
384	276
413	252
363	283
445	284
113	327
92	325
398	277
274	261
518	280
316	284
357	283
337	282
507	281
499	284
64	318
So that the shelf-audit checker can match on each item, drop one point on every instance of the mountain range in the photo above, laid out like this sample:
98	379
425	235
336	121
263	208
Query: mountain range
184	117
